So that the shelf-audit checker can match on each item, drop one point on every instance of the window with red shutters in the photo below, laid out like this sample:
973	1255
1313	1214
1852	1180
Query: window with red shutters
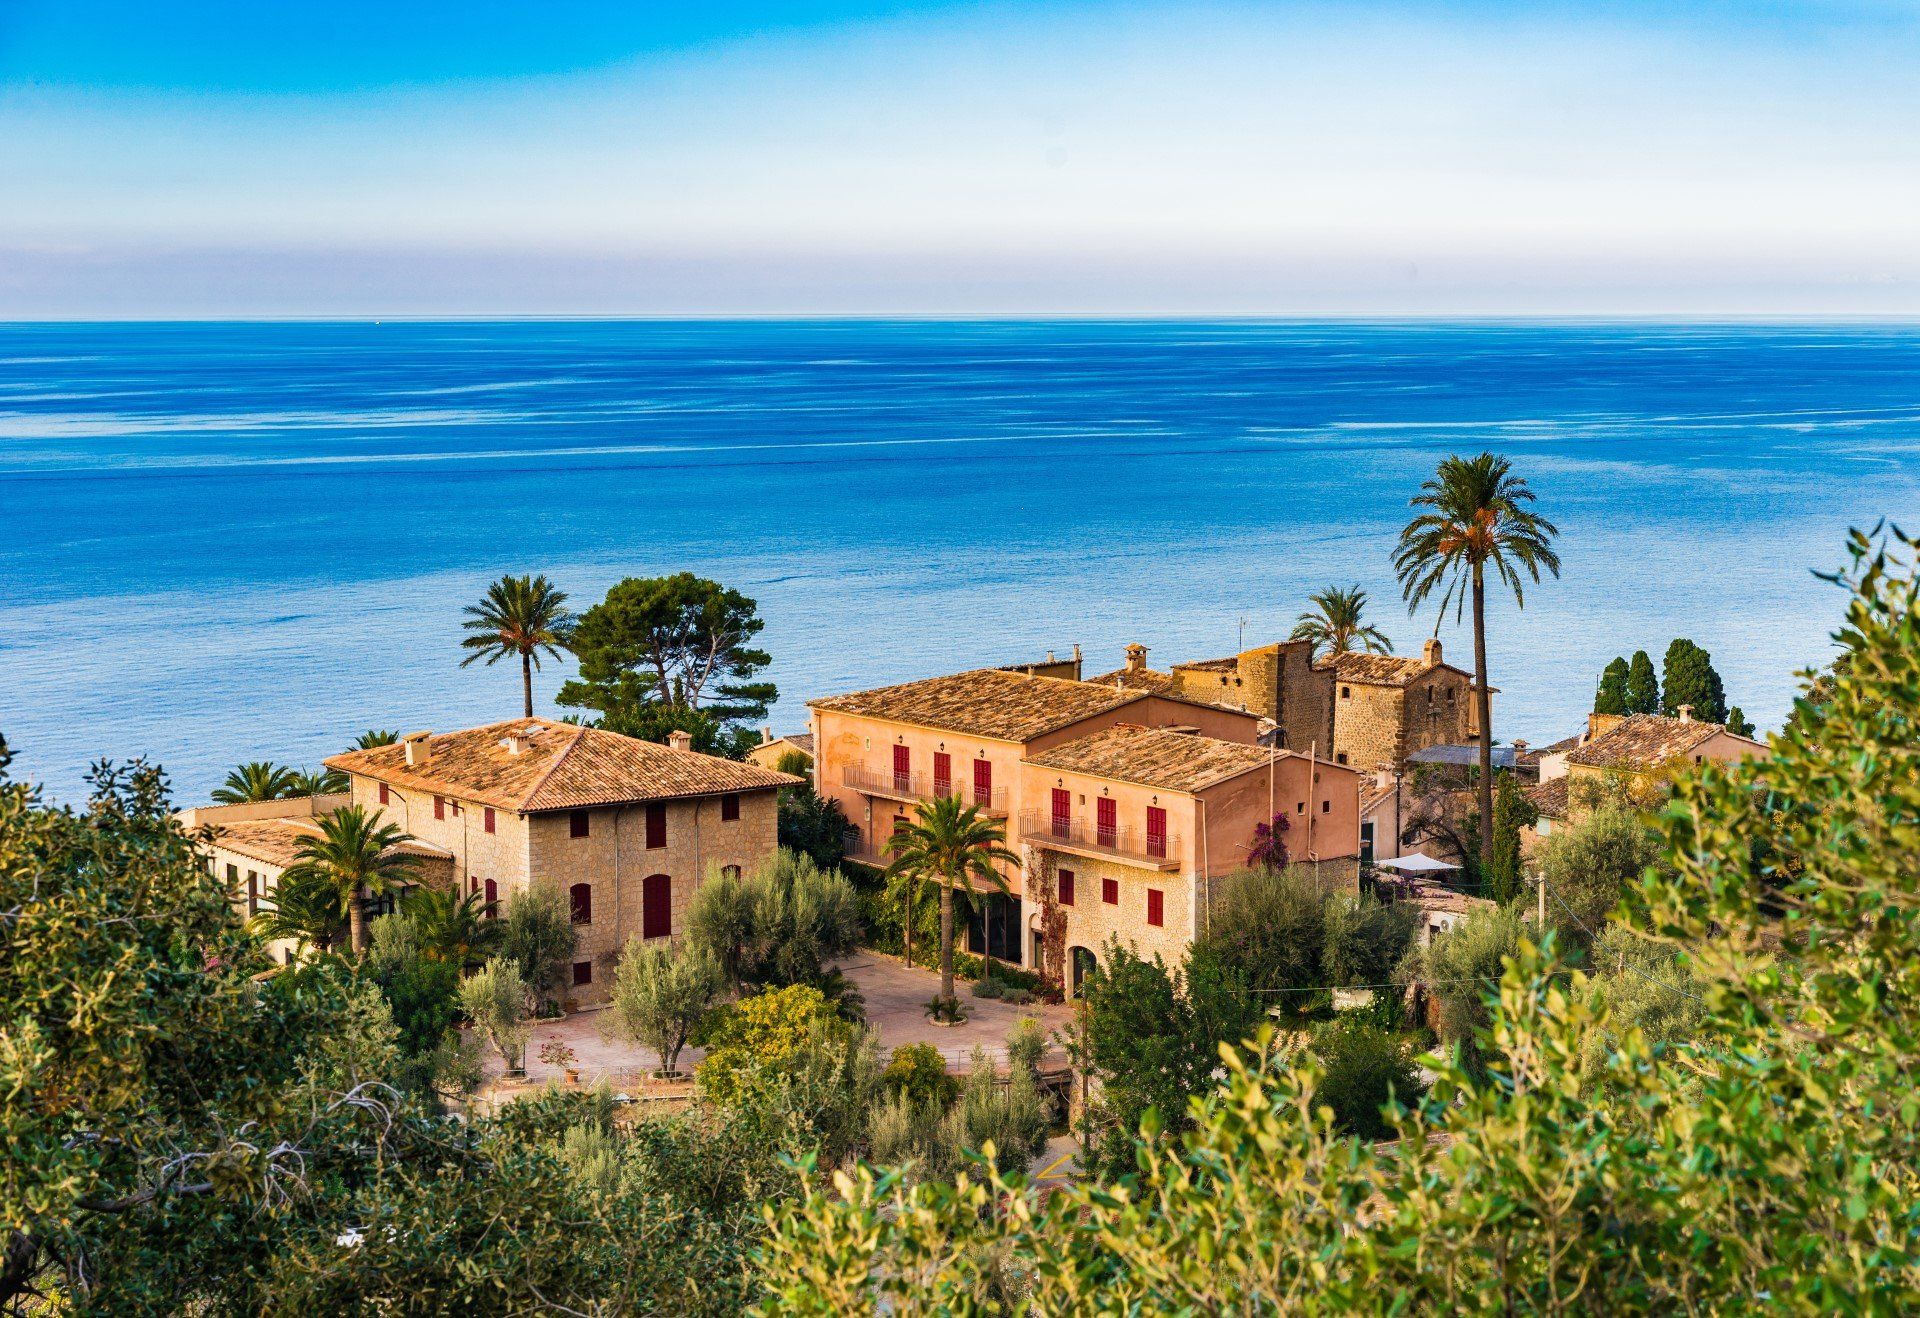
487	819
656	906
1062	812
386	797
1156	831
657	825
439	807
730	806
1106	820
493	897
942	774
1066	887
1156	907
580	902
582	973
983	783
902	768
1110	891
578	823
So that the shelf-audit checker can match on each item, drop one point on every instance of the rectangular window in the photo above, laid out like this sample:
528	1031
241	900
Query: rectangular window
486	819
582	973
233	876
1156	907
385	798
1062	812
902	768
1107	821
439	807
983	783
1156	831
730	806
1110	891
657	825
580	903
1325	806
942	774
578	823
253	893
1066	887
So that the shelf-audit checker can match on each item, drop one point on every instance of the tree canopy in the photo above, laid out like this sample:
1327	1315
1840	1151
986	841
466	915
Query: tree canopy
1643	688
1689	678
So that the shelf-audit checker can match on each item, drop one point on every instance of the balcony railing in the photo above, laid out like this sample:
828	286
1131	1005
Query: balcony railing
919	787
1136	846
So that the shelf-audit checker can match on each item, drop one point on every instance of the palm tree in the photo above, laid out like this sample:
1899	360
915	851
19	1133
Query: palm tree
372	737
451	927
520	615
954	846
1334	623
318	782
304	911
354	857
260	780
1480	520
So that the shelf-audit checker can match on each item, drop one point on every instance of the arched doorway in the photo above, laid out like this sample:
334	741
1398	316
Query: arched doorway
1080	964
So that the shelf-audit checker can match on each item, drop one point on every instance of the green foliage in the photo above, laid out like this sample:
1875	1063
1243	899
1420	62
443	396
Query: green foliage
519	617
783	924
374	737
1007	1117
1289	936
958	851
1512	812
1637	984
1643	688
450	927
1336	623
917	1073
815	826
537	937
1591	866
1459	968
354	854
1611	695
799	764
422	992
1688	678
495	1000
680	642
259	780
761	1037
1365	939
304	910
1738	723
660	993
1363	1068
317	782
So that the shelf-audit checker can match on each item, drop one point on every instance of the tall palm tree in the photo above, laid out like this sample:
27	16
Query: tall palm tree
259	780
303	910
451	927
354	858
1333	623
373	737
520	616
318	782
954	846
1481	520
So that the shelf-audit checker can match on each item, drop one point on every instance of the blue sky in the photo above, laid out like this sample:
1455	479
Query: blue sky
866	156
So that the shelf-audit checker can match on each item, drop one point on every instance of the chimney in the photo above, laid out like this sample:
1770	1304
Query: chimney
1136	658
1686	713
680	739
1049	656
766	735
417	749
1430	652
515	742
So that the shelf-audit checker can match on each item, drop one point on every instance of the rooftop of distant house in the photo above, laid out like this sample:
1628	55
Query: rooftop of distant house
987	702
800	741
534	765
1640	741
1549	797
1364	669
277	842
1167	758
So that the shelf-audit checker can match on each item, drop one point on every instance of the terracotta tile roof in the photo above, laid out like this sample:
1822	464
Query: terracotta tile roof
1560	747
1372	795
1140	679
1379	669
1549	798
1227	665
277	841
562	767
1157	757
986	702
800	741
1641	741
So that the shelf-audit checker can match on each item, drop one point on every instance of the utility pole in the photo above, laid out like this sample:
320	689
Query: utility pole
1540	893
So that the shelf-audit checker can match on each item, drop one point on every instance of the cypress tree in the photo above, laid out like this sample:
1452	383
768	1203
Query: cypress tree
1511	812
1643	689
1611	698
1737	723
1689	679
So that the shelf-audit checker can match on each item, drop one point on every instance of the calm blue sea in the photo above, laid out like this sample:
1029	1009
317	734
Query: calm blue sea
230	541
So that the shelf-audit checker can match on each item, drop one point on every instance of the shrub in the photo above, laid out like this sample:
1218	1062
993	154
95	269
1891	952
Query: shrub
780	925
763	1033
1366	938
1270	926
545	1116
1009	1115
988	988
1365	1067
660	994
495	1000
1459	968
917	1072
537	936
1589	868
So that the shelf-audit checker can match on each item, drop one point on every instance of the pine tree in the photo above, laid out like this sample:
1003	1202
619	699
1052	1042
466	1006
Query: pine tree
1689	679
1643	689
1738	724
1611	698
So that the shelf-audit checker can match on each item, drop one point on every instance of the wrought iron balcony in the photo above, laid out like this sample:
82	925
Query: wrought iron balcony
1082	837
919	787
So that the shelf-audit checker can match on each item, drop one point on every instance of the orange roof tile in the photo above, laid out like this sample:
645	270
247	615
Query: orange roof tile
1641	741
1157	757
986	702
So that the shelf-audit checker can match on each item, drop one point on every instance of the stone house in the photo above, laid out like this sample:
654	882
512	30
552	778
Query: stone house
772	749
623	830
1279	683
1386	707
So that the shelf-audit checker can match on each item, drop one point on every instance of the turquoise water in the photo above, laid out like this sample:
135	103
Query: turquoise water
231	541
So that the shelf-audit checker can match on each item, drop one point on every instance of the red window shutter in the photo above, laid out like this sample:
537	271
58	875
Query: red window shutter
1066	887
983	783
1107	820
439	807
657	824
487	819
385	797
1156	831
656	906
1110	891
1062	812
579	822
580	901
942	774
1156	907
902	768
730	806
493	896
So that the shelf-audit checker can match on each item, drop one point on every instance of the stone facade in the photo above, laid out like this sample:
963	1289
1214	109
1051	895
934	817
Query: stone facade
1277	682
1379	724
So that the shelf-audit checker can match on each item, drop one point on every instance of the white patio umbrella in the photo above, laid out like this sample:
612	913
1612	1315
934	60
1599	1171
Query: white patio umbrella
1416	862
